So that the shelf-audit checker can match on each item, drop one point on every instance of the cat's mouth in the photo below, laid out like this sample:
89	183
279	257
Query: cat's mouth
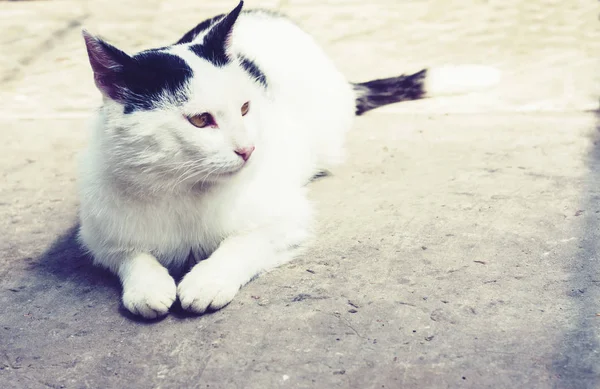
214	174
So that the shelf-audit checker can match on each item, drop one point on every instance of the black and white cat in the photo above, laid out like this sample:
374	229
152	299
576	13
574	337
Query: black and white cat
201	152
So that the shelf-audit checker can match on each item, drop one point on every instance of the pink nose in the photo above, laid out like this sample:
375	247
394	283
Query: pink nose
245	152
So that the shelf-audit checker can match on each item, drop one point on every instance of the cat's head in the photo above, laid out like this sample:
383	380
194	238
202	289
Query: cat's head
181	114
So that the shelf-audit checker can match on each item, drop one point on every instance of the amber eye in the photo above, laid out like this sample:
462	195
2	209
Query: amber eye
245	108
201	120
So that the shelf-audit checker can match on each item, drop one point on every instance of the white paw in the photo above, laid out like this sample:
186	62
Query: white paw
150	294
206	286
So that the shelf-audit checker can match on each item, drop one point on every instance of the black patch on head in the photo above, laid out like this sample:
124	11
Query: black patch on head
152	77
377	93
140	82
202	26
253	70
212	54
215	43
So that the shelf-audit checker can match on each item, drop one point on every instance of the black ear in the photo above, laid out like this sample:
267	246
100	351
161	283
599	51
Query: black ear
108	64
217	41
202	26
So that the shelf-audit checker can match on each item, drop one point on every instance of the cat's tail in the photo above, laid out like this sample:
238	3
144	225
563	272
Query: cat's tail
437	81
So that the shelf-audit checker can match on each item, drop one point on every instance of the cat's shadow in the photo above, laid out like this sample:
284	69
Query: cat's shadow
66	263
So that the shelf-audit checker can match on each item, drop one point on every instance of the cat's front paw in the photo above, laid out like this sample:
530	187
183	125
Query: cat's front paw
207	286
150	294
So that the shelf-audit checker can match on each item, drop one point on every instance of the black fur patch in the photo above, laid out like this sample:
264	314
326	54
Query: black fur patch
319	175
214	46
202	26
253	70
211	53
151	77
377	93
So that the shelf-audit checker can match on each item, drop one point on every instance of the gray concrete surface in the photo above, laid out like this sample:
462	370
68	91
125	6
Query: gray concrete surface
457	247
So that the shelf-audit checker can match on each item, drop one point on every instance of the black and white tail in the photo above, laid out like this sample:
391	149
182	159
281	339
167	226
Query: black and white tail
439	81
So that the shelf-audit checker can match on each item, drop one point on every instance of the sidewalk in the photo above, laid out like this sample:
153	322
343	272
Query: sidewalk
457	247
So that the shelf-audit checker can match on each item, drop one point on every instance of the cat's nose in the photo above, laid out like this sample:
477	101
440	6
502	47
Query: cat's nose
245	152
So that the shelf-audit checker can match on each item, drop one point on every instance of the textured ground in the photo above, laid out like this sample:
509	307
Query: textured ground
458	246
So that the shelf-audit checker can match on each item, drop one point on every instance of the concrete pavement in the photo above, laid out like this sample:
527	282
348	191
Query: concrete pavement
457	247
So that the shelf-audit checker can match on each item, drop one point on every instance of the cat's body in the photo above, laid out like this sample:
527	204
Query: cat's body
157	191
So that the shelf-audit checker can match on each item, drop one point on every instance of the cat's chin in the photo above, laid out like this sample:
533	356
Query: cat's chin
220	177
224	176
231	172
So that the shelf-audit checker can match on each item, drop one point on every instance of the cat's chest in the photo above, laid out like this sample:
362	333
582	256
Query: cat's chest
172	229
196	223
183	222
173	226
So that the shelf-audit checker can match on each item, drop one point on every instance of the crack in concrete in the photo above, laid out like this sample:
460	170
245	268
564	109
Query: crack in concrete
347	323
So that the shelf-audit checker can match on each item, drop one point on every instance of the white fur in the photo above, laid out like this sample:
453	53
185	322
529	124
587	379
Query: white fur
144	201
459	79
148	288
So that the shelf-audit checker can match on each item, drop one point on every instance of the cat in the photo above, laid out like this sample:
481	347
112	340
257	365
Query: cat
200	154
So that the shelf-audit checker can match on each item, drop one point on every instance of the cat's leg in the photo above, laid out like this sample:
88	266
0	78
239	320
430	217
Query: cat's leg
148	288
214	282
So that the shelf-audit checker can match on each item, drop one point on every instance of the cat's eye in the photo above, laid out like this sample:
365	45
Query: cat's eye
201	120
245	108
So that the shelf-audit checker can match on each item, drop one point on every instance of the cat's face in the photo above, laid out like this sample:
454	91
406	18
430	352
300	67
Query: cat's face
183	114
